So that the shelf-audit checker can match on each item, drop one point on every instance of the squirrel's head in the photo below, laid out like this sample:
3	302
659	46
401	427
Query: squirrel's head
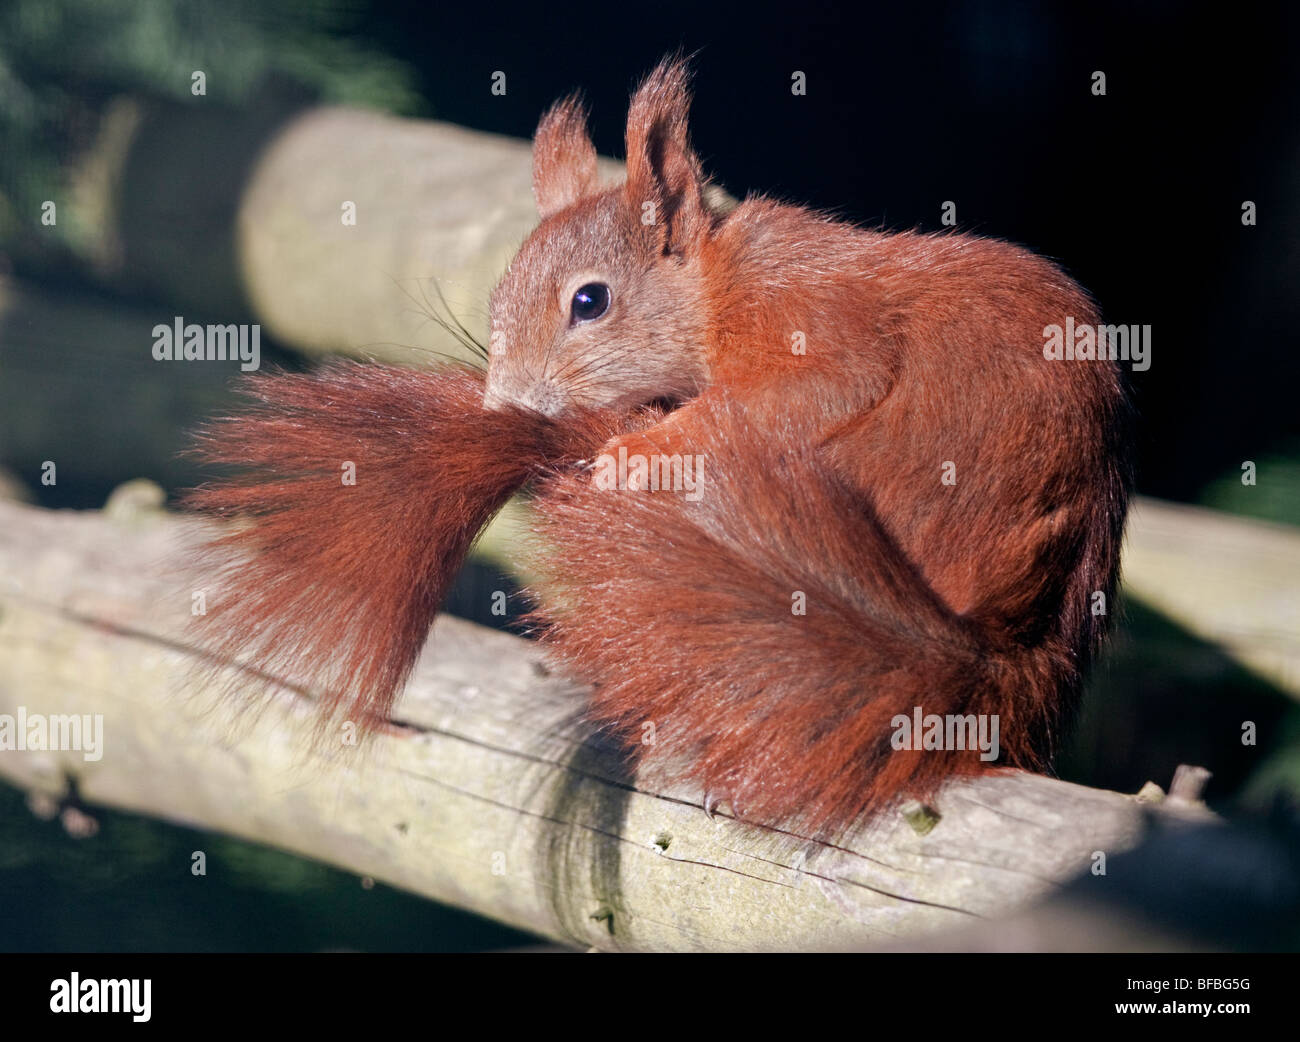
603	305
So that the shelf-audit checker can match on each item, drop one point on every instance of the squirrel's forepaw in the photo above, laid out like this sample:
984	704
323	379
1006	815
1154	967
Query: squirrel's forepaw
629	456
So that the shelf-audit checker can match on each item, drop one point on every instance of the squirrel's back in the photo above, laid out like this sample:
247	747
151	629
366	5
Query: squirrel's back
992	465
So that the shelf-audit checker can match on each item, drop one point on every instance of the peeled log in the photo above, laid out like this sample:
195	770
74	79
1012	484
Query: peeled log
488	794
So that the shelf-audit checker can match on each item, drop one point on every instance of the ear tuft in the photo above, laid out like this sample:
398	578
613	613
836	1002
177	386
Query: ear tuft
661	167
564	159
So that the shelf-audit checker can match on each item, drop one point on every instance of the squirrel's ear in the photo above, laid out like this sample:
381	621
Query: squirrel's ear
662	170
564	159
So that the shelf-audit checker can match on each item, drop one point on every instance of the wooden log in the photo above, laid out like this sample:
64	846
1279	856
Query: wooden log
81	389
488	794
438	208
331	226
1230	581
334	227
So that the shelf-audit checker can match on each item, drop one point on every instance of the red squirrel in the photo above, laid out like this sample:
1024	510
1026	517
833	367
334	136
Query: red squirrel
904	507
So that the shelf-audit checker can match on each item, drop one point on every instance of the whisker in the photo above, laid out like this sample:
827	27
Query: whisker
468	335
454	359
571	373
458	332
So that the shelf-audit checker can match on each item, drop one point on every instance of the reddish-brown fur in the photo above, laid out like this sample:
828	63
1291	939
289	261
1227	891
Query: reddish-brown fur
333	586
822	477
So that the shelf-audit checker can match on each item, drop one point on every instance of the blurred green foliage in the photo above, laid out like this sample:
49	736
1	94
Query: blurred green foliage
1275	495
61	61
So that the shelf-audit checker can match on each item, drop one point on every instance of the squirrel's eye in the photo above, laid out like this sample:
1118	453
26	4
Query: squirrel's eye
591	301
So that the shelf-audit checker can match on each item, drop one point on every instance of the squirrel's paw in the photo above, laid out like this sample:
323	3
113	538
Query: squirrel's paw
626	453
641	459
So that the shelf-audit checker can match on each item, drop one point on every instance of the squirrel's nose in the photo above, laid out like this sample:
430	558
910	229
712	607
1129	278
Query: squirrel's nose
539	397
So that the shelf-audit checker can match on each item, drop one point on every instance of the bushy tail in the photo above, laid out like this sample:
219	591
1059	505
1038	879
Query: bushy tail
759	638
357	493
